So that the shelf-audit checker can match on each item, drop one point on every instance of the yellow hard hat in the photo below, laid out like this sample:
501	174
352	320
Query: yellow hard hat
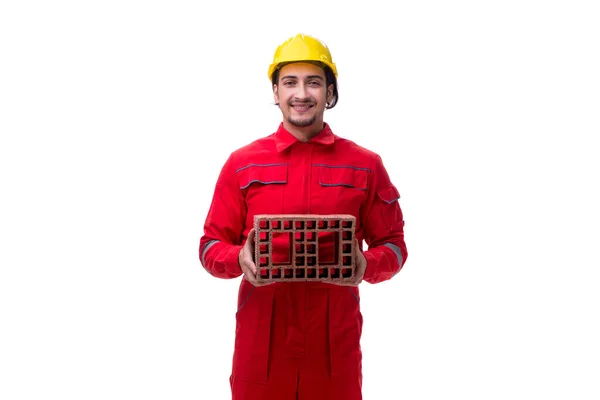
301	48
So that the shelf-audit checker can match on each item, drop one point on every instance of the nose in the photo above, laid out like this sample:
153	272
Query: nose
302	93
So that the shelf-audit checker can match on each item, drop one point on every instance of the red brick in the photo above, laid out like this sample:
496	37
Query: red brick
305	262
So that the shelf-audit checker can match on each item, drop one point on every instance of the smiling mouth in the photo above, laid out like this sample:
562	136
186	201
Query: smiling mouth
302	107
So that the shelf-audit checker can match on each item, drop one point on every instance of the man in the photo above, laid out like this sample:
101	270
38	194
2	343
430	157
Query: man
301	340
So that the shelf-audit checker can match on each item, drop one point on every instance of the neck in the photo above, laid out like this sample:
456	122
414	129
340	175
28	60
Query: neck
304	133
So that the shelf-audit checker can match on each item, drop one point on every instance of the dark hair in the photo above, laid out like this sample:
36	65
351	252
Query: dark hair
330	79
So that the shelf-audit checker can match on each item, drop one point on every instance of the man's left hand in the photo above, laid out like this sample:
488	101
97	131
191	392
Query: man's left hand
359	271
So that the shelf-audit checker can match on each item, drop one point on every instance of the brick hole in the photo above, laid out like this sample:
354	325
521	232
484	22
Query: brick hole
327	244
264	273
311	261
263	224
311	224
311	273
346	260
263	236
263	248
299	235
299	224
300	261
299	248
287	224
288	273
276	273
347	224
323	272
322	224
334	223
276	224
346	273
300	273
264	261
347	235
335	273
311	248
311	236
281	250
347	248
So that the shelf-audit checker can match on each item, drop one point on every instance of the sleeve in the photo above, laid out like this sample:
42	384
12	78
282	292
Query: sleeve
383	224
222	239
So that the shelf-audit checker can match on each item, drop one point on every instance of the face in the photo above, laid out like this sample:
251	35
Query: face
302	95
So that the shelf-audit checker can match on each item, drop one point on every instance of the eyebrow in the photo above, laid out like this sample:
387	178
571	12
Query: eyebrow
308	77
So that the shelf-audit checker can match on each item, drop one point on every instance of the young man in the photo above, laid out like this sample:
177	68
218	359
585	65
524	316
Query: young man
301	340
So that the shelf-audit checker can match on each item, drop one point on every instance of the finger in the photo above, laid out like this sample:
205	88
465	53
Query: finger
250	246
250	239
257	282
249	264
356	247
250	277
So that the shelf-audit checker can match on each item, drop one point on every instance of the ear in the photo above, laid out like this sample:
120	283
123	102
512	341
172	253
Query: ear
275	94
329	93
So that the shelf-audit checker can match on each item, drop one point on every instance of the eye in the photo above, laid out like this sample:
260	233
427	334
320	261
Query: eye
314	83
289	83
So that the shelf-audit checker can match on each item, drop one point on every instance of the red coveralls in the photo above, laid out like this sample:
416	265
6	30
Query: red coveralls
301	340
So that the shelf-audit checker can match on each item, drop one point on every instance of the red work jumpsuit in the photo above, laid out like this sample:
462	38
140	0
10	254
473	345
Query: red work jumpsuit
301	340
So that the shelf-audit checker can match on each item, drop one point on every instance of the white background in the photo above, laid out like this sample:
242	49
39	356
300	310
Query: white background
116	117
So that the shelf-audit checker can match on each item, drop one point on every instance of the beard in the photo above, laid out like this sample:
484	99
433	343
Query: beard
300	123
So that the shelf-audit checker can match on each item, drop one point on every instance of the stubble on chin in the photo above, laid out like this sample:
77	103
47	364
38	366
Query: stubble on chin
301	123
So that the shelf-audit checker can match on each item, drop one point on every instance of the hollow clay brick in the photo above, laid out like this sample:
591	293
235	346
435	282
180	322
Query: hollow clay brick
306	238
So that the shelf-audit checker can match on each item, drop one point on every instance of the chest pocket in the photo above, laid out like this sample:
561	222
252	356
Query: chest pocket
266	174
343	188
346	176
263	187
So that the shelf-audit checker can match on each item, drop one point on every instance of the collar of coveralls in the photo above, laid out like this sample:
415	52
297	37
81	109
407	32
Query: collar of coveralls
284	139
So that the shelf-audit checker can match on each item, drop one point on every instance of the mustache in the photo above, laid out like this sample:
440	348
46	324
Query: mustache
301	102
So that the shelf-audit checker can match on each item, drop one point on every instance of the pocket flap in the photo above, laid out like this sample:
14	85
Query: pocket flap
262	173
343	176
389	194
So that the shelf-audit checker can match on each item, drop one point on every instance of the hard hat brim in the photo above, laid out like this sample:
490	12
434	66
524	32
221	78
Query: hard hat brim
275	66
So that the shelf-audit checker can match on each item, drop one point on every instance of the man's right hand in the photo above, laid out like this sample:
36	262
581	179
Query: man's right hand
245	259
